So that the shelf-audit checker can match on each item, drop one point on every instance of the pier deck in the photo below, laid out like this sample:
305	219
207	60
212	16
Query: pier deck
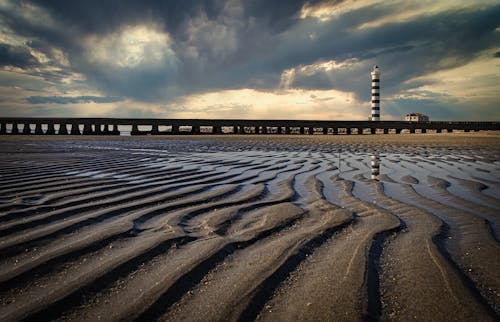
110	126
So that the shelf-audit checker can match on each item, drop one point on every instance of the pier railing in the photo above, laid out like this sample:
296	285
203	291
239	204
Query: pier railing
114	126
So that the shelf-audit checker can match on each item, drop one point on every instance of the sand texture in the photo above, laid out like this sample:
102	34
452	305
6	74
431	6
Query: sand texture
243	228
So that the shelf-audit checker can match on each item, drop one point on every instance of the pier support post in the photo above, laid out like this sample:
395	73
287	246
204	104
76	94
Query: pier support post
398	131
62	129
75	130
449	130
15	129
423	131
348	131
154	130
105	130
135	130
438	131
87	129
195	129
412	131
50	129
26	129
97	129
3	128
38	129
386	131
216	130
115	130
360	130
302	130
373	131
175	130
335	131
466	130
325	131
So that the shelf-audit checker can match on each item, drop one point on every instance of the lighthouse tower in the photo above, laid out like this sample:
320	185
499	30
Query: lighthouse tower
375	94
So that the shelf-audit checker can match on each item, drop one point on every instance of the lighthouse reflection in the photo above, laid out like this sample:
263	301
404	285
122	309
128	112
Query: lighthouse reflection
375	166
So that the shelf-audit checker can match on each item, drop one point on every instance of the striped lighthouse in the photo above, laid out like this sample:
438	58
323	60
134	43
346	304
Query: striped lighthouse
375	94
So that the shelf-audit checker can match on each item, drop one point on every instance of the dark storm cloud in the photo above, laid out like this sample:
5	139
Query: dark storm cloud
278	15
71	100
404	50
222	45
98	16
76	19
16	56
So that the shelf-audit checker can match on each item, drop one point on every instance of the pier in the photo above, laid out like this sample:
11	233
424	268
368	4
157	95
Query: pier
111	126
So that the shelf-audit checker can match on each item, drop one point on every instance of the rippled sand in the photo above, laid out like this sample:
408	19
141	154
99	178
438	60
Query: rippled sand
271	228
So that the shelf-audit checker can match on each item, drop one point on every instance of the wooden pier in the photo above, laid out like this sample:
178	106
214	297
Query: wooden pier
110	126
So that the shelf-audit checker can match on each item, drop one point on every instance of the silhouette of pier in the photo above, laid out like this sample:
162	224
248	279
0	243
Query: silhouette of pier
111	126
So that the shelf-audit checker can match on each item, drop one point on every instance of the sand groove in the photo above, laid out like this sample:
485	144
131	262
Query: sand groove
470	244
342	290
248	228
400	275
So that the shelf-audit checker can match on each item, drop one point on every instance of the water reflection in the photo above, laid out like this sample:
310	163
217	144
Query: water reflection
375	166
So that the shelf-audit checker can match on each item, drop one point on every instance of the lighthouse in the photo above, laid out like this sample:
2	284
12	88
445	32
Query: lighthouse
375	94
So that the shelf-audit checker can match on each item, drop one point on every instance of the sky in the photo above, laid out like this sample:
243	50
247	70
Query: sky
249	59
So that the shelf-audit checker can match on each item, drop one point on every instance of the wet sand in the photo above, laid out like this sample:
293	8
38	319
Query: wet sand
268	228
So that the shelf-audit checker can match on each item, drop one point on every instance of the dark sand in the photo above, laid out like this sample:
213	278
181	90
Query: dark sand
271	228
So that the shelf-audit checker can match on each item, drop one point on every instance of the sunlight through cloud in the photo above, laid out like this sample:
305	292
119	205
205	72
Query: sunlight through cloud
131	47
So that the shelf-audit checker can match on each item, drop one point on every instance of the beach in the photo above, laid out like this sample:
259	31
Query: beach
250	227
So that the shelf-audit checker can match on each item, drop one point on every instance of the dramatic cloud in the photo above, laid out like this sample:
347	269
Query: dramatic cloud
235	58
16	56
70	100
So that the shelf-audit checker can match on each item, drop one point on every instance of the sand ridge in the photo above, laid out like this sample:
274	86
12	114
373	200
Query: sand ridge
250	228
